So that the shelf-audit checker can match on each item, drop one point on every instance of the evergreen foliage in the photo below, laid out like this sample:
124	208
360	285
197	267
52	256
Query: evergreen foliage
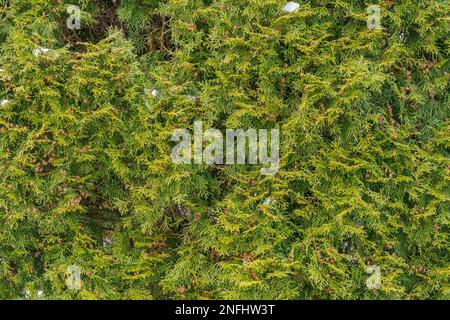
86	176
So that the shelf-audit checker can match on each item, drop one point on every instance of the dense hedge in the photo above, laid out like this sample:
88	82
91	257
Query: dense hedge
87	179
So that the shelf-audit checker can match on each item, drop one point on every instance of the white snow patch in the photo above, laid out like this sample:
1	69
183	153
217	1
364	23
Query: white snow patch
38	51
291	6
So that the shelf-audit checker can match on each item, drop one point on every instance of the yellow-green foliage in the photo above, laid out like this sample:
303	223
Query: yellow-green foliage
86	176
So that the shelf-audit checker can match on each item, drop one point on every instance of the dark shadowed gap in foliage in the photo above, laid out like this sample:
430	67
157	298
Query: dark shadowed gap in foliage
105	17
147	30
